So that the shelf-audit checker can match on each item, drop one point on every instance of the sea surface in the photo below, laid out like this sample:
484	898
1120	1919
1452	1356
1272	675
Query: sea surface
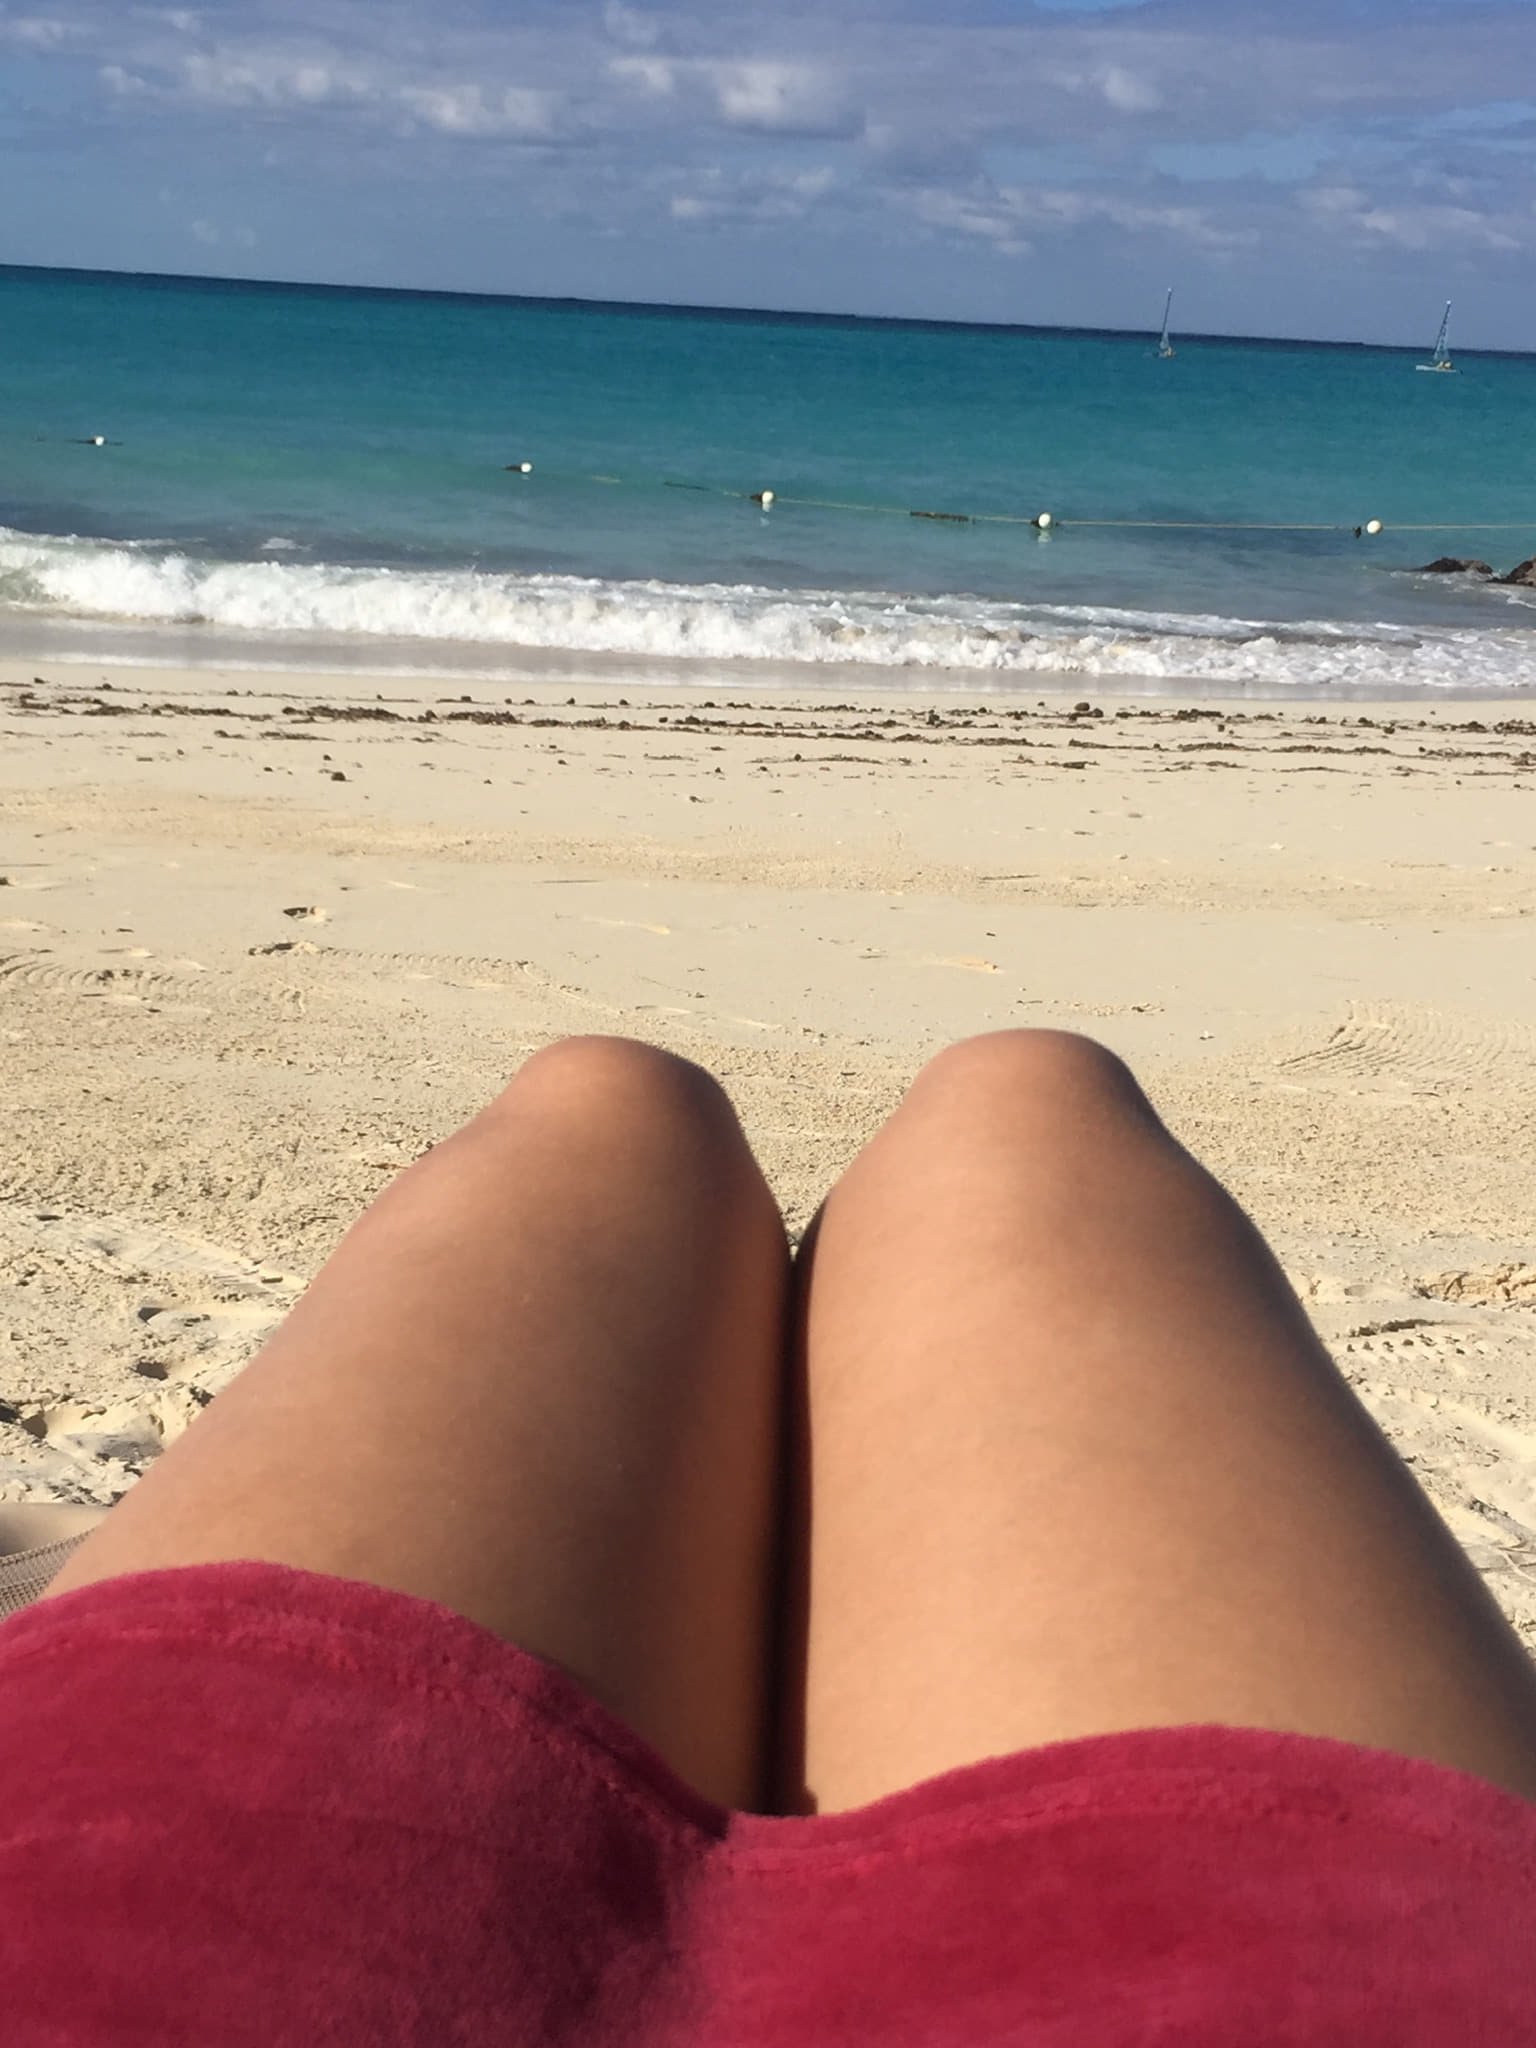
302	475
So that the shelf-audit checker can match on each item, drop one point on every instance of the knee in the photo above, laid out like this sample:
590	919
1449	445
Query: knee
617	1080
1035	1073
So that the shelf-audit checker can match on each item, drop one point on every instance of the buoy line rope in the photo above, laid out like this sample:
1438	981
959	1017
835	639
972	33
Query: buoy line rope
1041	522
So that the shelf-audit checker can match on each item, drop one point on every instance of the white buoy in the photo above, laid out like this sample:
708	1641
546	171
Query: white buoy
525	469
98	440
763	498
1373	527
1044	521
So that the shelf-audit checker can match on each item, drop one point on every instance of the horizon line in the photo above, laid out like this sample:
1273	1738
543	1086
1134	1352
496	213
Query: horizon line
684	307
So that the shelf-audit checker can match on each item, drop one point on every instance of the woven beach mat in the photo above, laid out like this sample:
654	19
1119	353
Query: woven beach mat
36	1541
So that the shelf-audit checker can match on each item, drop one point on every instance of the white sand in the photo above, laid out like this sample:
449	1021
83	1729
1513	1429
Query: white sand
256	953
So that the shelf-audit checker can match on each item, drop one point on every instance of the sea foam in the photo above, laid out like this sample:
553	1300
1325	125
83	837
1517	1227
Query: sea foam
101	580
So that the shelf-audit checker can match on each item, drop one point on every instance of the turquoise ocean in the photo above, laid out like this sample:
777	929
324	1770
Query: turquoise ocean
301	475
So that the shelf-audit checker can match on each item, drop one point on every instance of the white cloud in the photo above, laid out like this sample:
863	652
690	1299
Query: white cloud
763	96
39	32
1350	210
1128	93
476	110
781	98
293	80
1436	227
270	78
959	215
1007	216
716	196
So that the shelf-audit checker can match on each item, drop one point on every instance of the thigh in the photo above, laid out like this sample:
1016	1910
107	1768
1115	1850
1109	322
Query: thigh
538	1382
1072	1461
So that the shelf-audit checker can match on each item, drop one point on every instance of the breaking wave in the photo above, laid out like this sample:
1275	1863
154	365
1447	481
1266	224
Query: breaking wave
104	581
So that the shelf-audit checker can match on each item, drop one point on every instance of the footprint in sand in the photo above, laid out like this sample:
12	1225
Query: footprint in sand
96	1432
307	913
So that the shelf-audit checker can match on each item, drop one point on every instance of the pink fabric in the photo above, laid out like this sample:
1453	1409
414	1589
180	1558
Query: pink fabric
248	1805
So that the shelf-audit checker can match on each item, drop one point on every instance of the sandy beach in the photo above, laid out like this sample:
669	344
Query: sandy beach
264	938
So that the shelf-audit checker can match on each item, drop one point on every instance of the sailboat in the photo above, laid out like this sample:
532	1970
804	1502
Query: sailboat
1165	348
1441	360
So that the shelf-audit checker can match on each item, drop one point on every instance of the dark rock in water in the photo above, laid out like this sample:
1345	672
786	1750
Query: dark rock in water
1454	565
1526	574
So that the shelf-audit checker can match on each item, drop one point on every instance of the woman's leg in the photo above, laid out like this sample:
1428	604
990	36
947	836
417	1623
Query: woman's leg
538	1382
1073	1461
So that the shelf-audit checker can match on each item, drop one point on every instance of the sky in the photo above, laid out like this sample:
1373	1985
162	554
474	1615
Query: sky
1330	168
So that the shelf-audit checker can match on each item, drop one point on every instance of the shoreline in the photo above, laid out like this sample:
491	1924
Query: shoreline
176	653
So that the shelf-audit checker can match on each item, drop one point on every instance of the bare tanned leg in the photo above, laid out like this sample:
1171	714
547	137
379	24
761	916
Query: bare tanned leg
1073	1461
538	1382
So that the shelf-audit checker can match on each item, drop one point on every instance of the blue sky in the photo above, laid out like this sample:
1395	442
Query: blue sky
1327	167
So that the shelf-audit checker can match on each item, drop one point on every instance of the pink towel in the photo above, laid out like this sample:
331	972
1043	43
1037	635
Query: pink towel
247	1805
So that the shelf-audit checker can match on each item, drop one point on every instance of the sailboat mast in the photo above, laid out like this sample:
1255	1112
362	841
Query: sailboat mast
1441	359
1164	346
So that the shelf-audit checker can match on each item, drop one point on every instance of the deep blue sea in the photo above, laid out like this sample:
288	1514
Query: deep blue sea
297	471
